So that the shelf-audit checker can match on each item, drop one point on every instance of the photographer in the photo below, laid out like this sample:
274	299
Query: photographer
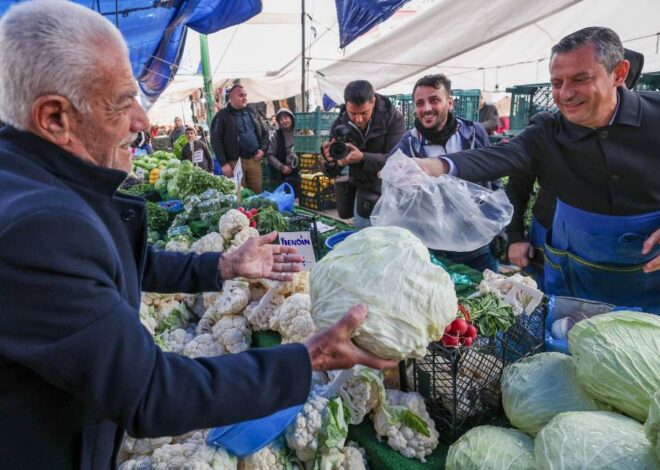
370	127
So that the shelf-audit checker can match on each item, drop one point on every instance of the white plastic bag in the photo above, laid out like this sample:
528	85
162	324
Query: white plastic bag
446	213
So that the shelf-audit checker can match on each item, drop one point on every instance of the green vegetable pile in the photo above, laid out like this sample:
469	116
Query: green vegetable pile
157	218
269	219
178	145
193	180
489	314
138	189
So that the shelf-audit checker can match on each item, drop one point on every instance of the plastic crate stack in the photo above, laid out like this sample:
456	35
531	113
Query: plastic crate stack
466	104
312	129
405	104
461	385
528	100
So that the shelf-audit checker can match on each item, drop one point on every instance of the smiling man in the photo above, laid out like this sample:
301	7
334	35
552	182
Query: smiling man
77	367
600	153
438	133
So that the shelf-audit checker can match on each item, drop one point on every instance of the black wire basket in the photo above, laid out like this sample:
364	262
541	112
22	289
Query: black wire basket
462	385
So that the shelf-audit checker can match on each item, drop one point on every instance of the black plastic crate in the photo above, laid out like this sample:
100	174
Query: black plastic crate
462	385
316	193
528	100
304	223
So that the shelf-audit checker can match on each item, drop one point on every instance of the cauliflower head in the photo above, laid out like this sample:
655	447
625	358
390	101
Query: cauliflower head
203	345
234	297
293	319
231	223
360	393
176	340
139	462
179	246
271	457
301	435
259	313
212	242
400	437
232	334
241	237
132	445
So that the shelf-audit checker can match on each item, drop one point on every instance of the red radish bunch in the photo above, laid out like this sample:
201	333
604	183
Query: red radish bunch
250	214
460	331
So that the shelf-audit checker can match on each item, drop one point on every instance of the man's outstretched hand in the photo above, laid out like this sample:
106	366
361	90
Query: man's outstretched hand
333	348
257	259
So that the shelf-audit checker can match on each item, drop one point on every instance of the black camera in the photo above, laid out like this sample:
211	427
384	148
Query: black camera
342	136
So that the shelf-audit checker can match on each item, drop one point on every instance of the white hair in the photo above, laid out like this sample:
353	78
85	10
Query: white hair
50	47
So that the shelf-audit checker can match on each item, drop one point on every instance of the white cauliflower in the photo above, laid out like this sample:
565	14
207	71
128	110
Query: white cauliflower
234	297
176	340
271	457
257	290
301	435
144	446
348	458
212	242
192	456
147	318
232	333
139	462
180	246
293	319
260	313
241	237
403	439
231	223
360	393
203	345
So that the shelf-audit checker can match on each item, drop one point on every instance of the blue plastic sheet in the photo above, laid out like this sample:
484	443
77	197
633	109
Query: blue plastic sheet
156	30
356	17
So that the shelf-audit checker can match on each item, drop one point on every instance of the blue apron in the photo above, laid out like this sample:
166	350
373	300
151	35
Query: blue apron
599	257
537	236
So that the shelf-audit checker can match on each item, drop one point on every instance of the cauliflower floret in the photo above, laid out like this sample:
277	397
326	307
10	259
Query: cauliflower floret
234	297
241	237
232	333
212	242
192	456
301	435
271	457
401	438
144	446
141	462
147	318
293	319
257	289
348	458
301	282
176	340
203	345
260	313
360	394
178	246
231	223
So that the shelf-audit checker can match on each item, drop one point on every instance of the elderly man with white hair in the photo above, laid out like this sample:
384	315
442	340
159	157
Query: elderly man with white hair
76	366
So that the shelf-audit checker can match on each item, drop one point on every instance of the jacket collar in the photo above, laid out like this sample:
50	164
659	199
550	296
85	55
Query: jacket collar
629	113
61	163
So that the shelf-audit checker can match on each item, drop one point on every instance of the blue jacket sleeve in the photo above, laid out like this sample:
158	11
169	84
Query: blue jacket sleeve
64	319
404	145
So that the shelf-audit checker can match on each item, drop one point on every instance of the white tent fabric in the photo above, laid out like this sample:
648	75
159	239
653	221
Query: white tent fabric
477	43
519	57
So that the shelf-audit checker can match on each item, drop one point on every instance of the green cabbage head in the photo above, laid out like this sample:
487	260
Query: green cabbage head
492	448
389	270
652	426
617	359
593	440
539	387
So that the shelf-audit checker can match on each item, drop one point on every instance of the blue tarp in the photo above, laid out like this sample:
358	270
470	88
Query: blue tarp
156	30
356	17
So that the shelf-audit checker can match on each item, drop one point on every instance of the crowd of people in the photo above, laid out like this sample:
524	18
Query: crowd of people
77	368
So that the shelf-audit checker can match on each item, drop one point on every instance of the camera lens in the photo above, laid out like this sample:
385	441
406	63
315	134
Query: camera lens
338	150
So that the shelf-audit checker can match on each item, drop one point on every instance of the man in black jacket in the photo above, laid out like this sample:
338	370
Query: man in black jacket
237	131
77	367
376	127
599	153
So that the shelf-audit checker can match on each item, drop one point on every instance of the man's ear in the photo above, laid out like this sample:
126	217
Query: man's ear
621	72
53	119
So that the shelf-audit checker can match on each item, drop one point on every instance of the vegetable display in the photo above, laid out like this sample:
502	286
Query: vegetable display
593	440
491	447
537	388
460	331
410	300
617	359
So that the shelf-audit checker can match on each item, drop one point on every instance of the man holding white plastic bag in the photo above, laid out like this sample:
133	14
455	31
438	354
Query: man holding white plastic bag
438	132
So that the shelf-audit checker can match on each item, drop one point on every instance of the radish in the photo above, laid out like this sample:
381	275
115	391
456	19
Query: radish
450	341
459	326
447	329
471	331
467	342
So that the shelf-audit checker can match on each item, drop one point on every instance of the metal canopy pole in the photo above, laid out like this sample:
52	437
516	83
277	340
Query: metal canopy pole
208	79
302	82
